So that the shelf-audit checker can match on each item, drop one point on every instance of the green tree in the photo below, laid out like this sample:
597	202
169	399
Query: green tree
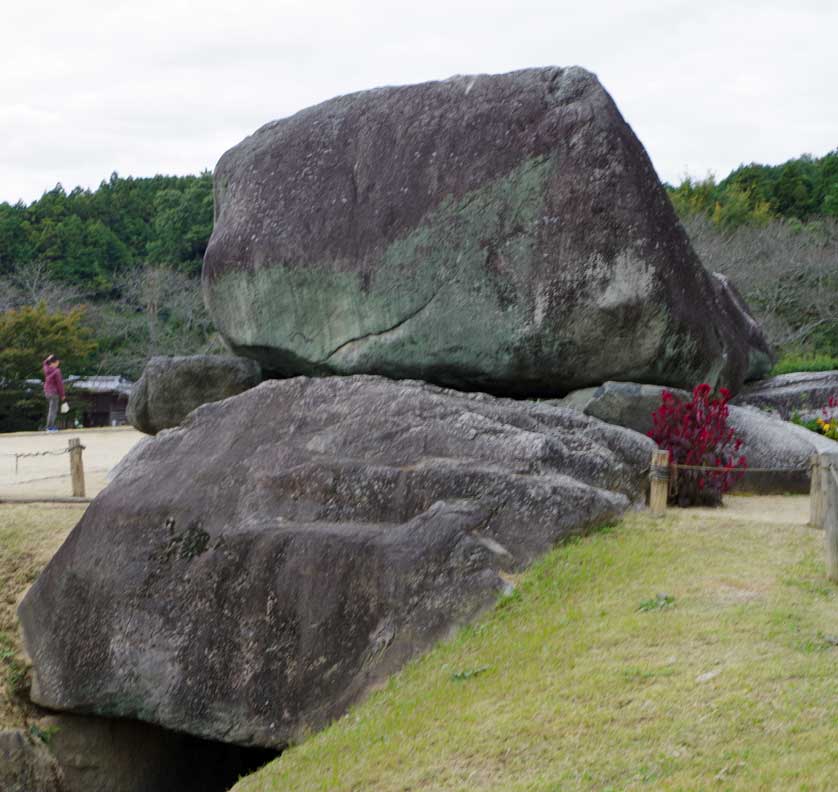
830	200
29	334
691	197
737	207
182	225
15	233
793	192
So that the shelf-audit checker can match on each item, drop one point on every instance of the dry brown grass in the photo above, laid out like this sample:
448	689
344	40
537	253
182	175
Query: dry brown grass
29	537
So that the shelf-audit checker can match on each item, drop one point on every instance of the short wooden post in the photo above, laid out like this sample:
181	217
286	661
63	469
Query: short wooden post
816	495
76	467
828	464
659	478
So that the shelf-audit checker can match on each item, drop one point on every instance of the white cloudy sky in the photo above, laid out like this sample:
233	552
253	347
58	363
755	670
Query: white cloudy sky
88	87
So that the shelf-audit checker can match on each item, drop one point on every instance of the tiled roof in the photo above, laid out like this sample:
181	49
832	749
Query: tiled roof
101	384
95	384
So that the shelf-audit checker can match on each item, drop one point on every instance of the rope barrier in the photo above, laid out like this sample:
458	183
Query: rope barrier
18	455
20	482
665	483
661	472
53	452
734	469
73	450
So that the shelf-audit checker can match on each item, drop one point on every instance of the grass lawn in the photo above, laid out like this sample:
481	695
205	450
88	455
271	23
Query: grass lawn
29	536
789	364
696	651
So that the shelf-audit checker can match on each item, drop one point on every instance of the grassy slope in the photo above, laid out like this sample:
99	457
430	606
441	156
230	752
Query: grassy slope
733	686
29	536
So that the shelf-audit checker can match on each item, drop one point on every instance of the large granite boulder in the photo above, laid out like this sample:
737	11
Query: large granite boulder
768	442
504	233
805	392
247	579
171	387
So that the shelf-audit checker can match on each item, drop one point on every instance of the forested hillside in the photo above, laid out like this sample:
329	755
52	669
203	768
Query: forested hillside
102	278
88	239
127	258
773	229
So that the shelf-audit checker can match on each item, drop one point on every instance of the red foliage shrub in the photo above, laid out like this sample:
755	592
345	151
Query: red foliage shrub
829	411
696	433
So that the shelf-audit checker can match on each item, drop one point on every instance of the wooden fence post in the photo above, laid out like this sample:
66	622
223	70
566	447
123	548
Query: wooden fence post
817	494
828	495
76	467
659	478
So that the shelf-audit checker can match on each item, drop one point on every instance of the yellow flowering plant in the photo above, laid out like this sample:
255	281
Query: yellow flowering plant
827	425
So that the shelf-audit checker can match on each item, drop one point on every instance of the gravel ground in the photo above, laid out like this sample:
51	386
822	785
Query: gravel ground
49	475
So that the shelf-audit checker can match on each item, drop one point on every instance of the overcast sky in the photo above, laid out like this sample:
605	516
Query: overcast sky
88	87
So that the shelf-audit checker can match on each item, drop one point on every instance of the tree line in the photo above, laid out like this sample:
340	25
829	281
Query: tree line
104	279
86	238
800	190
129	253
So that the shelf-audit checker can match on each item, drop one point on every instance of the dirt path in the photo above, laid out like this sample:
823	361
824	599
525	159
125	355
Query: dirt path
767	509
48	475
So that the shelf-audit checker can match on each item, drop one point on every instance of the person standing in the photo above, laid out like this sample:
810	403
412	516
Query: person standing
53	389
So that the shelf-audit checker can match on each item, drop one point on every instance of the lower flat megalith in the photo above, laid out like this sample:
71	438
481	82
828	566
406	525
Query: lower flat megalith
806	393
503	233
252	572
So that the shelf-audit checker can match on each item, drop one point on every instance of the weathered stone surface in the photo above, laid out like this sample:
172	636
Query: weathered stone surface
26	765
768	442
247	579
628	404
171	387
110	755
730	303
803	392
504	233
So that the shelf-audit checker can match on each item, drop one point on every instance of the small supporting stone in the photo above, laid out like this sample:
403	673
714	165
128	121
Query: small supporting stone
77	467
659	478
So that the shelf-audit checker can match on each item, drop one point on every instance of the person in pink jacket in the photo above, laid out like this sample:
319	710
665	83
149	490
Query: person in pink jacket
53	389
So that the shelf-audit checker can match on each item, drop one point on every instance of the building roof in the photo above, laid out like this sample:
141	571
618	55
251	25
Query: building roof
96	384
101	384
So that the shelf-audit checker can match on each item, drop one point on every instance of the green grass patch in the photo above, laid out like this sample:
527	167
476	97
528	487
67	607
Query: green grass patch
12	668
658	602
726	681
789	364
